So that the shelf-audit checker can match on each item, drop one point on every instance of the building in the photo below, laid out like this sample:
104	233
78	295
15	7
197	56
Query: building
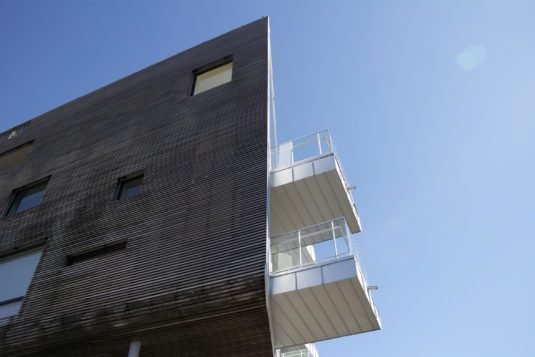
158	216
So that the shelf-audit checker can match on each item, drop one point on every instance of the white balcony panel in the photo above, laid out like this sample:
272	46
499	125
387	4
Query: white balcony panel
308	193
320	303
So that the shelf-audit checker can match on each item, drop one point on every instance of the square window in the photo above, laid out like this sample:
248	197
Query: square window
212	78
14	156
129	186
16	273
27	197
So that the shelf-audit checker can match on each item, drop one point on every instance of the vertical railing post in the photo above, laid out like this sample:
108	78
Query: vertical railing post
349	240
319	143
274	157
328	142
291	152
299	247
334	240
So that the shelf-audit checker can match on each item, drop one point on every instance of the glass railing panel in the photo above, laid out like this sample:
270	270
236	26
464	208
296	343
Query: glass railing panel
285	252
342	246
284	155
301	149
320	251
317	243
312	245
308	350
342	237
325	144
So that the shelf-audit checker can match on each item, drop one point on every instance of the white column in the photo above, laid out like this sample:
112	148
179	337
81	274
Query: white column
135	346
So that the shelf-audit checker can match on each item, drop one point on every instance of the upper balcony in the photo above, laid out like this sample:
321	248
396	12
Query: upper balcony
308	185
318	289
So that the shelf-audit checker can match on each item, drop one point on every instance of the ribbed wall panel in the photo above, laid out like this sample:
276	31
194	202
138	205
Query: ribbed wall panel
195	256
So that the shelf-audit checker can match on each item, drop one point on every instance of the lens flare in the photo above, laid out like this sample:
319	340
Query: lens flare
471	57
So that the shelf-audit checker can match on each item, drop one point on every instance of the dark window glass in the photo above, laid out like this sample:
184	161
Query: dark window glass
93	253
16	273
27	197
130	186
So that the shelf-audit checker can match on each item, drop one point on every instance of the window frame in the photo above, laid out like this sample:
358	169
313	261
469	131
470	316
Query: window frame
121	181
16	192
208	67
18	255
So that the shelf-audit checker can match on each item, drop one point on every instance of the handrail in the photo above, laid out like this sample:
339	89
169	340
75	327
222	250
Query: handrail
309	227
302	137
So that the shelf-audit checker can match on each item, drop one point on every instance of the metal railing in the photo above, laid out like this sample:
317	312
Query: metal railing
305	148
315	245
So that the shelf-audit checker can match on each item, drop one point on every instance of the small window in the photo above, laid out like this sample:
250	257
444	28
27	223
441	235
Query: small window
212	78
129	186
14	156
96	252
27	197
16	274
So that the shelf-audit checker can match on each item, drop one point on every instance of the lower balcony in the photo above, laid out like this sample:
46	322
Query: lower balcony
318	289
308	350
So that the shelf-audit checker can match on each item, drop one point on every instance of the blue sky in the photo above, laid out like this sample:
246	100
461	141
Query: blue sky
432	108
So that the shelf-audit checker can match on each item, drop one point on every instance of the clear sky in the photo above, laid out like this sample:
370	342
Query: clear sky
432	109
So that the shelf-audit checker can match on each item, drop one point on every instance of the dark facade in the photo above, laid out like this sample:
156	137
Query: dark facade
190	276
153	217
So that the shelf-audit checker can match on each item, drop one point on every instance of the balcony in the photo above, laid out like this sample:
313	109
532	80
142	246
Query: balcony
318	289
307	185
308	350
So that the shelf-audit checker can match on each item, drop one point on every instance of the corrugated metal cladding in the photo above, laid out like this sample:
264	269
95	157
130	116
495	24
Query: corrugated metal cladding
190	281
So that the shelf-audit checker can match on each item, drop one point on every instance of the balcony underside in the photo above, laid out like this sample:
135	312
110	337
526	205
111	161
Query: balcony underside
321	303
308	193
